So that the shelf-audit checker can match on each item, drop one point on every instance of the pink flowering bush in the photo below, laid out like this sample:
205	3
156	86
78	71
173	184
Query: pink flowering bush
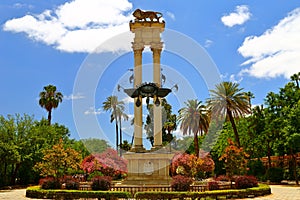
108	163
191	166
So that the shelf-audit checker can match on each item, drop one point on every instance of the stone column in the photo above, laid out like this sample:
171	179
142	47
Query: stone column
138	111
157	109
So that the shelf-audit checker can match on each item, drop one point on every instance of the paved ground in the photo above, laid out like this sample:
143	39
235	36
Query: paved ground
278	193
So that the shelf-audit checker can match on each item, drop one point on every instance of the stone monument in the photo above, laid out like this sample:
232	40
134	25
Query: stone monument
147	167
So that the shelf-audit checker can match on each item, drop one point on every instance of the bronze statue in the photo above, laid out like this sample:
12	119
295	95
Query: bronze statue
144	15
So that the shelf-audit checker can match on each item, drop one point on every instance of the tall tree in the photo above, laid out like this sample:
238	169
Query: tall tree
296	78
50	99
120	115
113	105
194	119
229	100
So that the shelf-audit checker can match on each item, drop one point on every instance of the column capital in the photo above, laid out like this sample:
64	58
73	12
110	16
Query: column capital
156	46
137	46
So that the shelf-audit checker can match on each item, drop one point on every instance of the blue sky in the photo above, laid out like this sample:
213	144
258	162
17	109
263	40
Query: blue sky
255	43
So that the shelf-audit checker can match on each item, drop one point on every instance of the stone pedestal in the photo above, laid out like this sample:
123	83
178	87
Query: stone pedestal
148	168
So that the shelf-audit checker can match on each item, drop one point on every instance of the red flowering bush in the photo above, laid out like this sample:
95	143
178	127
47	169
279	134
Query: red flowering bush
108	163
101	183
190	165
243	182
70	183
49	183
235	160
213	185
222	178
181	183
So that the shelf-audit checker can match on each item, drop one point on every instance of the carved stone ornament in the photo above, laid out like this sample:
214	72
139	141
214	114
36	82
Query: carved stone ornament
148	168
144	15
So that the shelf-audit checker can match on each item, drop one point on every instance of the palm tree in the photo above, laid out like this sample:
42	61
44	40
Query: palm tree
120	115
194	119
296	78
250	96
229	100
113	105
50	99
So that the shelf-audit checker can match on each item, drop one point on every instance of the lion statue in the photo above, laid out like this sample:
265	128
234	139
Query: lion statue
144	15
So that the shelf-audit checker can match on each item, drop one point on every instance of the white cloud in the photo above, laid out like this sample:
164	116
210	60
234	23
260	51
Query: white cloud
235	79
93	111
74	97
76	26
239	17
171	15
127	100
208	43
22	5
276	52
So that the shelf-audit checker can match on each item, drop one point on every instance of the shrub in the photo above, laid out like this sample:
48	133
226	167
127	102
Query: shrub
190	165
181	183
256	168
275	174
243	182
101	183
94	174
213	185
222	178
50	183
108	163
71	183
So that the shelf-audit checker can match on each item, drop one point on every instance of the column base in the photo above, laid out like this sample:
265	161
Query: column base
156	147
138	149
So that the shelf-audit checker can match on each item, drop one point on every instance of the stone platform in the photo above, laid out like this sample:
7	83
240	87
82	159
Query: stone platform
150	168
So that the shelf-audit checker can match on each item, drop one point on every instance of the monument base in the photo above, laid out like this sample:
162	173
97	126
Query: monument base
148	168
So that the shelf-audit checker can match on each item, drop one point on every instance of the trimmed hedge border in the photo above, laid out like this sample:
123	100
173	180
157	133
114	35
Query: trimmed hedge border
261	190
36	192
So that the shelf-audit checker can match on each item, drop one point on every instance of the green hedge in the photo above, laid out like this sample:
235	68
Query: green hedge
36	192
242	193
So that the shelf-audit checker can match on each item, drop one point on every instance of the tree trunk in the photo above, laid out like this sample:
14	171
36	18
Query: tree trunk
14	173
269	154
49	117
294	158
196	143
120	122
117	131
236	135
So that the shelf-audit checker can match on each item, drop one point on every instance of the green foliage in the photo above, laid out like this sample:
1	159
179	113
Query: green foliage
256	168
94	174
95	145
261	190
275	174
181	183
36	192
101	183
